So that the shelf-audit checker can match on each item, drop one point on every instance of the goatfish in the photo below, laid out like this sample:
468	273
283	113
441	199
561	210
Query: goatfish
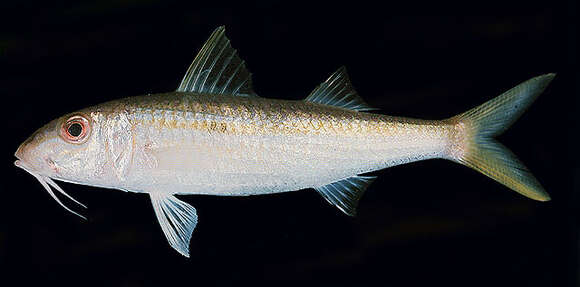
215	136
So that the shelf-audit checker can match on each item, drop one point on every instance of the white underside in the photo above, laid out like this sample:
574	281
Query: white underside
229	165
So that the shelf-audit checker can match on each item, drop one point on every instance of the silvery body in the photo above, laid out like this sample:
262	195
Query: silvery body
215	136
184	143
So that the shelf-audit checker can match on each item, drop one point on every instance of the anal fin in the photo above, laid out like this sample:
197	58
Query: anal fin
346	193
177	219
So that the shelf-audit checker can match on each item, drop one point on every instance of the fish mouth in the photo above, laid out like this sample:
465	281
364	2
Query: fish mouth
47	183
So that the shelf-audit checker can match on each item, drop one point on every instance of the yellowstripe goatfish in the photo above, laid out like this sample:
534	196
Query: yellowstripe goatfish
215	136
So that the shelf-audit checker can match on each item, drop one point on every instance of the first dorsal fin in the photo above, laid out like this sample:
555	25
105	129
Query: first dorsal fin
338	91
217	69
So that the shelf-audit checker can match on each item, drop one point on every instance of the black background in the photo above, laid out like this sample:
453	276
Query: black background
431	223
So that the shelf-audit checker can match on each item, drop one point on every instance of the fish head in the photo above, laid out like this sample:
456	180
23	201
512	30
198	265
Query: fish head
66	148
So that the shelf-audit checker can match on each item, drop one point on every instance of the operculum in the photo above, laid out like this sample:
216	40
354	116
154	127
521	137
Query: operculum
119	138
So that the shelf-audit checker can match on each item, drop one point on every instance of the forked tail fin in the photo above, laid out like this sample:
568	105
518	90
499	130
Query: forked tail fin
476	147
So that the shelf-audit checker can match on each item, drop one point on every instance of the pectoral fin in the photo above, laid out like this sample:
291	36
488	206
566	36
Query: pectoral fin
177	219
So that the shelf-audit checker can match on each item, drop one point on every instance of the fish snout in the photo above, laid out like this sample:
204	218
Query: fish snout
23	149
28	153
23	155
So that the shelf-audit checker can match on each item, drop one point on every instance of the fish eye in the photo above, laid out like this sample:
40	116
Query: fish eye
75	130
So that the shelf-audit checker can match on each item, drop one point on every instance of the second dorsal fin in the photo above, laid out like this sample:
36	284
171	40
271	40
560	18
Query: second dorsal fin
338	91
217	69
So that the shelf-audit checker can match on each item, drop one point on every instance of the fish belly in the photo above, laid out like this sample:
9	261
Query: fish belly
246	165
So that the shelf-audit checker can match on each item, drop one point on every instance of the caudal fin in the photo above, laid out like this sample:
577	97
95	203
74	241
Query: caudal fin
476	147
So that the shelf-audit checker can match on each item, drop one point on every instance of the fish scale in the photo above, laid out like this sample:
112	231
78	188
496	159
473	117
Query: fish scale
268	140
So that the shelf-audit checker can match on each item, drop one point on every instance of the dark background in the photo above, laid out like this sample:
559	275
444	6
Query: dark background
431	223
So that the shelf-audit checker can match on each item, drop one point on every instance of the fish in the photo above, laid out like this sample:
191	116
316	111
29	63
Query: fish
215	136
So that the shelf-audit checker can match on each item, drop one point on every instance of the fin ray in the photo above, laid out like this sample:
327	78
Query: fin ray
217	69
345	194
177	219
479	150
496	115
338	91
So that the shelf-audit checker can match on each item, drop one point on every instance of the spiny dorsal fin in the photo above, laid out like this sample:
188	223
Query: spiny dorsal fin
346	193
338	91
177	219
217	69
